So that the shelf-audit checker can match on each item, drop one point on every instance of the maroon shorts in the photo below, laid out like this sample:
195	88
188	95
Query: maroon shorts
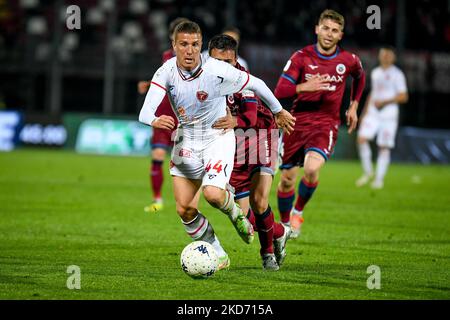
257	154
162	138
320	138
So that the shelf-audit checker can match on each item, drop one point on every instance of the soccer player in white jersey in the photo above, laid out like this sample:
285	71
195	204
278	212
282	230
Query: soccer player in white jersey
203	157
380	117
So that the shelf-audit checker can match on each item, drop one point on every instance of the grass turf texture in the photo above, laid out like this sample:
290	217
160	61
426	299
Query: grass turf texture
60	209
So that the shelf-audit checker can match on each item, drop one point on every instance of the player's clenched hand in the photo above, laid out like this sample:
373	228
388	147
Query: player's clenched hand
285	120
163	122
315	83
143	86
352	117
227	122
379	104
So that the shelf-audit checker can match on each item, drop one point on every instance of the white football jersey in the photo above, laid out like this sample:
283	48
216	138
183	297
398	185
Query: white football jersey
387	84
198	97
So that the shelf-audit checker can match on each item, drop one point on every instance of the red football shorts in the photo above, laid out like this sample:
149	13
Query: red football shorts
320	138
162	138
254	153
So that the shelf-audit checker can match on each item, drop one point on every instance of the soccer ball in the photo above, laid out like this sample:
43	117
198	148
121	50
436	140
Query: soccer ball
199	260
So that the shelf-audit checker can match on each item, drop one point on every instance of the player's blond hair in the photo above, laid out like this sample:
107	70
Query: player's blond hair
333	15
189	27
174	24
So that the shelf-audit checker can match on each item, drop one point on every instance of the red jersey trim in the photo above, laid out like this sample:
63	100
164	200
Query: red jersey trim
193	77
246	82
159	85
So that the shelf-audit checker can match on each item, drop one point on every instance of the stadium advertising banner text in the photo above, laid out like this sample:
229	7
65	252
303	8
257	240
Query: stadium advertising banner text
114	137
43	130
10	122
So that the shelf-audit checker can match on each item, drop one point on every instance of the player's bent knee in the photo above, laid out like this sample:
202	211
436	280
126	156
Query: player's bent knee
215	196
287	182
186	212
259	203
312	173
158	154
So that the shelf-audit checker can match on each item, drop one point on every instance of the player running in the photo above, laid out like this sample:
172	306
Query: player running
161	140
315	78
253	170
380	117
202	157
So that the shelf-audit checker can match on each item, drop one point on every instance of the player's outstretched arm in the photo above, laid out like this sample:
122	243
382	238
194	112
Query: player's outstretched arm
358	83
234	81
284	119
153	99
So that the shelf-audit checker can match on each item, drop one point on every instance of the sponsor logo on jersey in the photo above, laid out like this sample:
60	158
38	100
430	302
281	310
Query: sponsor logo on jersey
312	66
329	78
202	95
340	68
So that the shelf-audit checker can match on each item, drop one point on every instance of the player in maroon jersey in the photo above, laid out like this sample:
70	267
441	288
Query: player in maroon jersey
255	156
314	77
161	140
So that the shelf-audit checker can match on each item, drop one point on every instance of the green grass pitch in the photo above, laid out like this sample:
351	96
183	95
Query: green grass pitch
59	209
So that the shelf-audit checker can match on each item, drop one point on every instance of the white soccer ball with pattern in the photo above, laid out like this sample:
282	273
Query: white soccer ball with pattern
199	260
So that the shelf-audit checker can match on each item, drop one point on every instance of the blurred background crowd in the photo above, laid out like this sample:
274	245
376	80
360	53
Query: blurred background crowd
46	68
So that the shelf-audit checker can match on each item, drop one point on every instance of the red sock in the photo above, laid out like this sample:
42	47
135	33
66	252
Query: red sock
251	218
264	222
305	192
156	178
285	202
278	230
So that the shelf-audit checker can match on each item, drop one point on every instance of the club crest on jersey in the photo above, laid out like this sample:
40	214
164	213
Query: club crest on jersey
202	95
340	68
181	111
230	99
